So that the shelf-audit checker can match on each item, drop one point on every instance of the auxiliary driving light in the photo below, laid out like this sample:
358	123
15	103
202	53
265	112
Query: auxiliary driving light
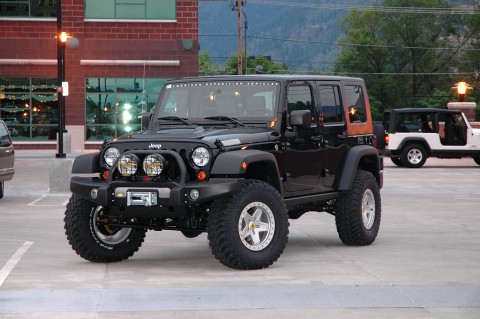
153	164
127	164
94	193
194	194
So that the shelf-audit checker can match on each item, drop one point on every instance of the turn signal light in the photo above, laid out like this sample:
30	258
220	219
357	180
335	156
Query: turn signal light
201	176
105	175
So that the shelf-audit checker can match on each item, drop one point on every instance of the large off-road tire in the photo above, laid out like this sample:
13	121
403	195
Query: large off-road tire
2	185
397	161
250	229
413	155
358	211
95	241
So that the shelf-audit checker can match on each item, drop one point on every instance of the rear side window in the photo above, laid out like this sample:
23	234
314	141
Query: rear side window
331	106
415	122
357	112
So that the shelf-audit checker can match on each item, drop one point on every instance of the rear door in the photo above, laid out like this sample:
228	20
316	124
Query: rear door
333	126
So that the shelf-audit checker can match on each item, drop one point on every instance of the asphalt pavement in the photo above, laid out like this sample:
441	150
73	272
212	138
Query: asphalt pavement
424	263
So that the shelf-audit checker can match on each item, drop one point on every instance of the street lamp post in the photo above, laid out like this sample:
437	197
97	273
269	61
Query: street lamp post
60	76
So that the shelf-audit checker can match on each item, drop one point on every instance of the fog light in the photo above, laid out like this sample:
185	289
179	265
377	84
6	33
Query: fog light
194	194
94	193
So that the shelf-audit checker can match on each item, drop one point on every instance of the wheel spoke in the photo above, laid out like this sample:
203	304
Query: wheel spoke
245	231
255	235
262	227
257	214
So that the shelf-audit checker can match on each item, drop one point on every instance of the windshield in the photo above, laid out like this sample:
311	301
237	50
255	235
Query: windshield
243	100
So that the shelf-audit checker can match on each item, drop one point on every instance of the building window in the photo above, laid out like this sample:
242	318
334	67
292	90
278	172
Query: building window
114	106
28	8
29	107
131	9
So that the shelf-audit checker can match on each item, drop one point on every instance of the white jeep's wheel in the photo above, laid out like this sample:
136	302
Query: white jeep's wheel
250	229
413	156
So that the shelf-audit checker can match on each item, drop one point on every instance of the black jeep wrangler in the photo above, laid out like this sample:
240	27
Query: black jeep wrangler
236	157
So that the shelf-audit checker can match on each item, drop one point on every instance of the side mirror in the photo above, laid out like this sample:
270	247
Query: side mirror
301	118
146	118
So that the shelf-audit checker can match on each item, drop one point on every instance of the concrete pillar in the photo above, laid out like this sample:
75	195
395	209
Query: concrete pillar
466	107
60	174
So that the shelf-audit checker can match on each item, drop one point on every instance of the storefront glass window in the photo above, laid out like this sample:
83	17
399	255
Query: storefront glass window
28	8
114	106
29	107
131	9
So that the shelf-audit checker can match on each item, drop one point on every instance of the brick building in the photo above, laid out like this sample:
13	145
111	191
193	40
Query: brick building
127	49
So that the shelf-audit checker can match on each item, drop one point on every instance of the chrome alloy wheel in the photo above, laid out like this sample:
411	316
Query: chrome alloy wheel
106	233
256	226
368	209
414	156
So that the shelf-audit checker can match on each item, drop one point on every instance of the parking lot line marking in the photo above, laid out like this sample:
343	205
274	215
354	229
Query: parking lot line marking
36	201
13	261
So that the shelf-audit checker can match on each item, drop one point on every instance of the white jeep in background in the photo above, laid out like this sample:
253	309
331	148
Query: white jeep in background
414	134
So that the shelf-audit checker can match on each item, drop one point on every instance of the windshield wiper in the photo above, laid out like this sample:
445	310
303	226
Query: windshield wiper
224	118
174	118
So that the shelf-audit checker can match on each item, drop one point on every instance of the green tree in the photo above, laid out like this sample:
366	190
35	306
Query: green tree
206	65
403	56
259	64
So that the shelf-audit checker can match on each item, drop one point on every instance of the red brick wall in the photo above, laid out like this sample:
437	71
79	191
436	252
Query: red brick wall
100	40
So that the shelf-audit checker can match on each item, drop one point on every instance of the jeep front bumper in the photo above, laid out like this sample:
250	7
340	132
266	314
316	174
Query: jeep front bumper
164	196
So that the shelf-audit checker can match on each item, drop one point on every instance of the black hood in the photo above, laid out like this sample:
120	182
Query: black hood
228	136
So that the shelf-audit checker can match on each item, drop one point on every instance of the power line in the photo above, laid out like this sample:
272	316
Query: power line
341	44
418	10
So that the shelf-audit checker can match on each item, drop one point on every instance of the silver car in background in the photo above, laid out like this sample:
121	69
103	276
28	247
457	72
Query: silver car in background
6	156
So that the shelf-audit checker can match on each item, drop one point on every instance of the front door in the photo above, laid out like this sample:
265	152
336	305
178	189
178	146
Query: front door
302	152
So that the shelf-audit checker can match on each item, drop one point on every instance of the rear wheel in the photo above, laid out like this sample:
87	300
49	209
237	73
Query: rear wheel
250	229
397	161
358	211
93	239
413	156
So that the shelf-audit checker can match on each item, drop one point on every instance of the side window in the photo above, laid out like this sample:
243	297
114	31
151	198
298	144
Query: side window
331	106
300	97
3	133
356	104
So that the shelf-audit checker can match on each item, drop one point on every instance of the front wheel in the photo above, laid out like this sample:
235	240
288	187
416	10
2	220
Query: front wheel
358	211
93	239
250	229
413	156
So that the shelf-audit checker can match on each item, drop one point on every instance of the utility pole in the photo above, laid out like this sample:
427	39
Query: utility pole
240	50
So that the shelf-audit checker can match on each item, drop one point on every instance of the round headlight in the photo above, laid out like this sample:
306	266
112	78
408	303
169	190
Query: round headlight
127	164
200	156
111	155
153	164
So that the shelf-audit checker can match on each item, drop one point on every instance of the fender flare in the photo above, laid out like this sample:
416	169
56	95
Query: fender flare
86	164
372	163
418	140
230	163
